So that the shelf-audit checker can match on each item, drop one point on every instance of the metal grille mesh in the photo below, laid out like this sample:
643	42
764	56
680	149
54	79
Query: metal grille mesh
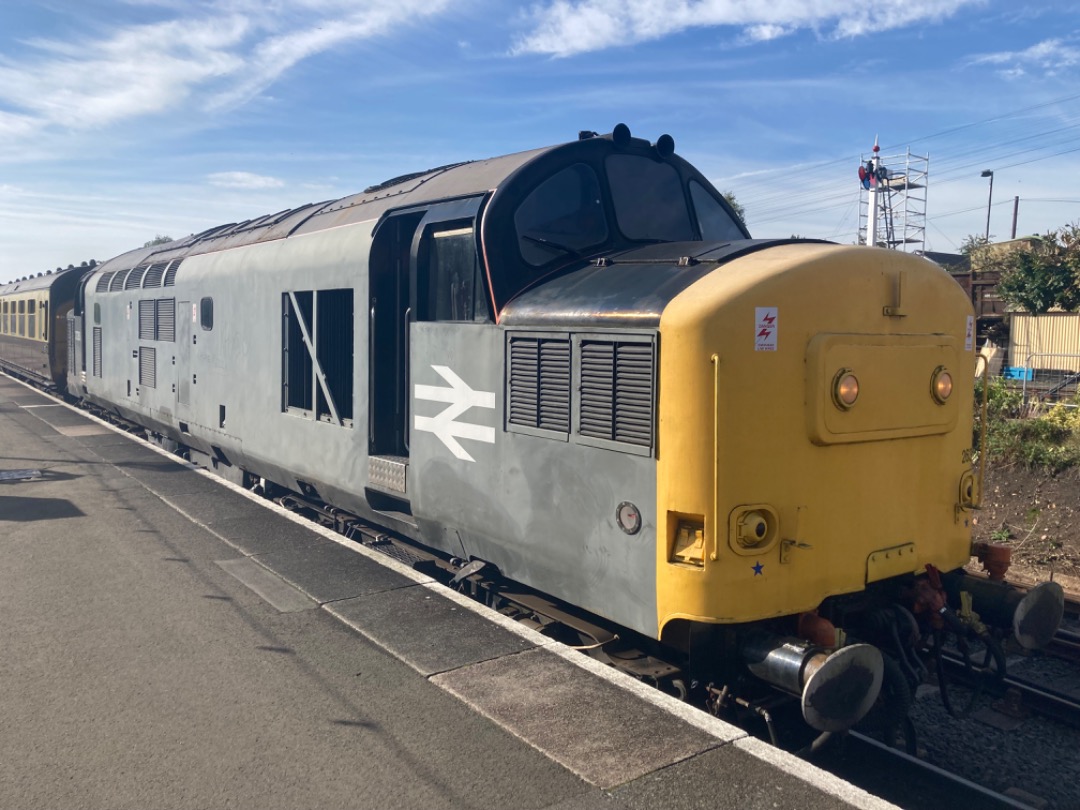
134	279
154	274
148	367
170	274
617	391
146	320
540	383
118	280
97	351
166	319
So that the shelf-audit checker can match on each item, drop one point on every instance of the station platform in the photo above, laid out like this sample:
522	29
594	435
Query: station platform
171	640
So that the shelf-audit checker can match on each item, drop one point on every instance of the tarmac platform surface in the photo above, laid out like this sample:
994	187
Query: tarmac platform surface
171	640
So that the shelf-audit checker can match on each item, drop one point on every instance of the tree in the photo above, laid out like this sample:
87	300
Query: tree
158	240
973	242
736	206
1044	275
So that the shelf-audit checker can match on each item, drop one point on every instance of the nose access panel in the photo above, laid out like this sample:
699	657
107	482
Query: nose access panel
896	376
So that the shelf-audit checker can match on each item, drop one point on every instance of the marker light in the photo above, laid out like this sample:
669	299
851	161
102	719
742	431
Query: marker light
941	385
845	389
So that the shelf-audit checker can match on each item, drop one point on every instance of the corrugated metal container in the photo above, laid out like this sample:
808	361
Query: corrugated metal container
1050	341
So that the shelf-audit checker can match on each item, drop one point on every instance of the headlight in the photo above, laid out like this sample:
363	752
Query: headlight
941	385
845	389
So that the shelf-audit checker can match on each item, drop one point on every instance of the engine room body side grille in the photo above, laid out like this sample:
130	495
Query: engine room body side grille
170	274
148	367
617	391
154	274
539	383
118	280
166	319
146	320
71	351
103	282
97	351
134	279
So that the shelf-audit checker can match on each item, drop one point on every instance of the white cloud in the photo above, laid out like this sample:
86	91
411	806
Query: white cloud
564	27
1049	56
243	180
766	32
211	55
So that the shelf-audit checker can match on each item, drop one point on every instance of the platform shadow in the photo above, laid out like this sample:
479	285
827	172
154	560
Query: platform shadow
19	509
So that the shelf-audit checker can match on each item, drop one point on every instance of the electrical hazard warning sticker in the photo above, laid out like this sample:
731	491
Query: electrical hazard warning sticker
765	329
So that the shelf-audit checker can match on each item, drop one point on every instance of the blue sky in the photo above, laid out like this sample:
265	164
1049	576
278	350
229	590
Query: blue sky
124	119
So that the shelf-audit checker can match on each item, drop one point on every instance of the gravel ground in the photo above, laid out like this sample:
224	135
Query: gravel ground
1039	756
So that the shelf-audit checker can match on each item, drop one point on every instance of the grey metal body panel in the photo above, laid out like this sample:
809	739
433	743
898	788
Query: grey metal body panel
629	289
540	508
238	363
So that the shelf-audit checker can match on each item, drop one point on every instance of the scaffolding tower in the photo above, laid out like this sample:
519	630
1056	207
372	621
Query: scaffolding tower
893	200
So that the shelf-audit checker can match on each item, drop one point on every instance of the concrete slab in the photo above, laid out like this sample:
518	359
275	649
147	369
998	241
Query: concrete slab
427	631
246	525
25	398
604	734
109	436
58	416
166	478
329	572
283	596
727	778
89	429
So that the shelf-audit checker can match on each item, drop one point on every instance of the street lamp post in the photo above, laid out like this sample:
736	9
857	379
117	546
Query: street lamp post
990	201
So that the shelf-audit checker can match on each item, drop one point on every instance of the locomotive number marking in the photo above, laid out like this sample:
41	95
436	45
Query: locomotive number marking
460	398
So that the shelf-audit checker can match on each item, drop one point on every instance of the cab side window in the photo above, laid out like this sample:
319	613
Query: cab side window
455	282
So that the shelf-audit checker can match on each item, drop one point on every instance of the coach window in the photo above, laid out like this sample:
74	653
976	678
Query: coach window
455	284
22	318
206	314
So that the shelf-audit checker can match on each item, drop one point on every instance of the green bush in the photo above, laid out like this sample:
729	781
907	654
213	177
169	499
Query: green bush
1049	440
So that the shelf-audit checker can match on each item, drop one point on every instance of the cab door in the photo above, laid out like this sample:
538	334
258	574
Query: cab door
399	296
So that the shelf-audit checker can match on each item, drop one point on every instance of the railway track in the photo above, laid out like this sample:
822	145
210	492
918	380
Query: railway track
908	781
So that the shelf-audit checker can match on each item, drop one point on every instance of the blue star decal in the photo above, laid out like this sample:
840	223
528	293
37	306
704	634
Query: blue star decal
757	569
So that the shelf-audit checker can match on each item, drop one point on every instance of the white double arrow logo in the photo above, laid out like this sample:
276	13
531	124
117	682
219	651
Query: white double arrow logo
461	397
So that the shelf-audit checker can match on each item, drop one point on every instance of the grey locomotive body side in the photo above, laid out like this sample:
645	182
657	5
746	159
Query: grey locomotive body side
540	504
436	355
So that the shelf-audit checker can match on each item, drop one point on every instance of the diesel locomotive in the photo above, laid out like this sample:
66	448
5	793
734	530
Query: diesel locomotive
575	365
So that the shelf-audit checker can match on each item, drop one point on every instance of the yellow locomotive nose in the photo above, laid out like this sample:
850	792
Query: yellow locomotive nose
843	464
